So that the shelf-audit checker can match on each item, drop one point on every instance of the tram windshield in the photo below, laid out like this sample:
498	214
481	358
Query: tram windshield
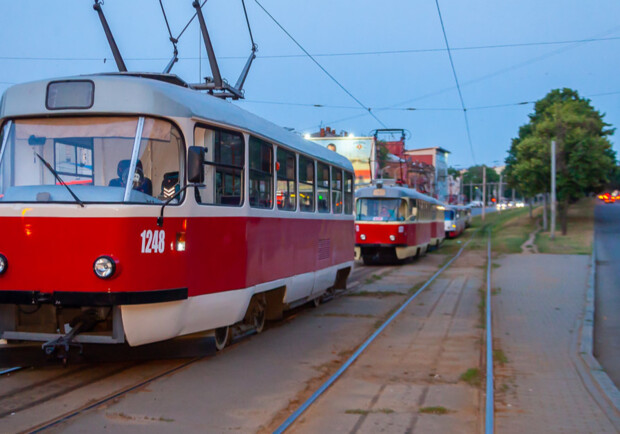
449	214
381	209
93	156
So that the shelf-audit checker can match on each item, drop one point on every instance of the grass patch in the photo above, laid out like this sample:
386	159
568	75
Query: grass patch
472	376
482	317
500	357
365	412
374	294
578	240
373	279
357	411
434	410
345	315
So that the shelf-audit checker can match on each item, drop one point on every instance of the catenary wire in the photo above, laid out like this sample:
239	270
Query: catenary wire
320	66
458	86
340	54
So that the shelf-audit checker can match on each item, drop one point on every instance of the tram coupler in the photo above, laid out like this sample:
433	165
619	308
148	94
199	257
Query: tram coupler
61	345
64	344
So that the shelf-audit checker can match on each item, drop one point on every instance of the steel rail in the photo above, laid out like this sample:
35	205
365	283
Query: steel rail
293	417
8	371
489	416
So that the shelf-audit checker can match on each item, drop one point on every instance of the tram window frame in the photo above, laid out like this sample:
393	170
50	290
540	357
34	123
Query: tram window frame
334	189
349	186
413	204
303	179
281	169
214	168
259	174
322	169
180	147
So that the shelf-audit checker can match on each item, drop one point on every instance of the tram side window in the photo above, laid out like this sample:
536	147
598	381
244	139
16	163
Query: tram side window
285	167
413	210
224	162
261	173
323	187
348	193
337	190
306	184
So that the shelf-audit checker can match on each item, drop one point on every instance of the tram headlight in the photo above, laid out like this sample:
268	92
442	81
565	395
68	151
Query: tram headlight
392	238
104	267
363	237
4	264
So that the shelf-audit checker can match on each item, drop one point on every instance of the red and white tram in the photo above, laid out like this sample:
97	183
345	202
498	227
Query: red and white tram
136	209
394	223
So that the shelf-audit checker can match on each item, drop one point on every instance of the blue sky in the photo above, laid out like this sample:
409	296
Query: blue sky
43	39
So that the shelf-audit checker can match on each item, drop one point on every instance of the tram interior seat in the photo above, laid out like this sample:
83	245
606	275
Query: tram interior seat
123	166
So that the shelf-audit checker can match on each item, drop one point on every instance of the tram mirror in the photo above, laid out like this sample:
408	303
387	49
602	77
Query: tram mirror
195	164
36	141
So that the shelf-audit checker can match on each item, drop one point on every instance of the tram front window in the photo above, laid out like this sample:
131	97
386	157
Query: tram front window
93	156
380	210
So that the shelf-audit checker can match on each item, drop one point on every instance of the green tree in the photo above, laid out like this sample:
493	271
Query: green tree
584	158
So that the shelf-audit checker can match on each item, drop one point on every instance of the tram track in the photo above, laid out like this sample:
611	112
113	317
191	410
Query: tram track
38	391
288	422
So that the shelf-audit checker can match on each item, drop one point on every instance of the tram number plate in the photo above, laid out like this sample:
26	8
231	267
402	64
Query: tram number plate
153	241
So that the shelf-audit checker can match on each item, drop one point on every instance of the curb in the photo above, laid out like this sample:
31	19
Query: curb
586	339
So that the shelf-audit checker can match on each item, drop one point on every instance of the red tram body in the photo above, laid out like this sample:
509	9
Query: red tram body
255	219
395	223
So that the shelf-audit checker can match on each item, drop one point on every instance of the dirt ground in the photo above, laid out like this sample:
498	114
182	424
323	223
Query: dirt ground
410	378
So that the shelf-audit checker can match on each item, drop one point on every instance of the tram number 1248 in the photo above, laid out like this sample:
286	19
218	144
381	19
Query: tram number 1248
153	241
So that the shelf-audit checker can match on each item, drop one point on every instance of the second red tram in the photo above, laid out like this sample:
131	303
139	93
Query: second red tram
395	223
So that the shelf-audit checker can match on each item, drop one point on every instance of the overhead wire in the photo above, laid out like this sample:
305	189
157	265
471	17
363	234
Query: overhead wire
321	66
340	54
458	86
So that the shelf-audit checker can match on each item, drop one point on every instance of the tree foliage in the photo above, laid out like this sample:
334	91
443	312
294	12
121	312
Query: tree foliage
584	157
474	175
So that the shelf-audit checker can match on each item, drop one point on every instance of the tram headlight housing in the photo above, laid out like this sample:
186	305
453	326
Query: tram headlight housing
104	267
4	264
363	237
392	238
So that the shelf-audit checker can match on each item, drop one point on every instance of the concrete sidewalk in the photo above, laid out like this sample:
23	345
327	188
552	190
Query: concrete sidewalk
536	318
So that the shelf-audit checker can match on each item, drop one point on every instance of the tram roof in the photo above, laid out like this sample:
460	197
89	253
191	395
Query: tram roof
119	93
394	192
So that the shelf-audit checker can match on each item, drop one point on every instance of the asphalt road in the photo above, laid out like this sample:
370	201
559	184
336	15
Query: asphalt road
607	307
478	211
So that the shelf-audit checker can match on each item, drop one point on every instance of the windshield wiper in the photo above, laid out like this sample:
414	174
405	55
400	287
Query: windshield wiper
51	169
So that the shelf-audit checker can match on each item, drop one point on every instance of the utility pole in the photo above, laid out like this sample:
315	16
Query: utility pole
553	204
484	190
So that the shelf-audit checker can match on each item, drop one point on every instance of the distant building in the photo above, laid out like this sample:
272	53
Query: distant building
437	158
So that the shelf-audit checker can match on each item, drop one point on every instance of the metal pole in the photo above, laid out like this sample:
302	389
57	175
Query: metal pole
484	190
553	203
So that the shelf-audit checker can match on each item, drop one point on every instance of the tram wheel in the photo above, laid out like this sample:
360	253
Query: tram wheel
223	336
259	317
316	302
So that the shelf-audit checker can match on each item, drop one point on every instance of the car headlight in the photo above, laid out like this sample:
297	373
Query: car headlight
104	267
4	264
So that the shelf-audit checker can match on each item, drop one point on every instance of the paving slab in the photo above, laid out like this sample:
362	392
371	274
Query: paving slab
536	317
